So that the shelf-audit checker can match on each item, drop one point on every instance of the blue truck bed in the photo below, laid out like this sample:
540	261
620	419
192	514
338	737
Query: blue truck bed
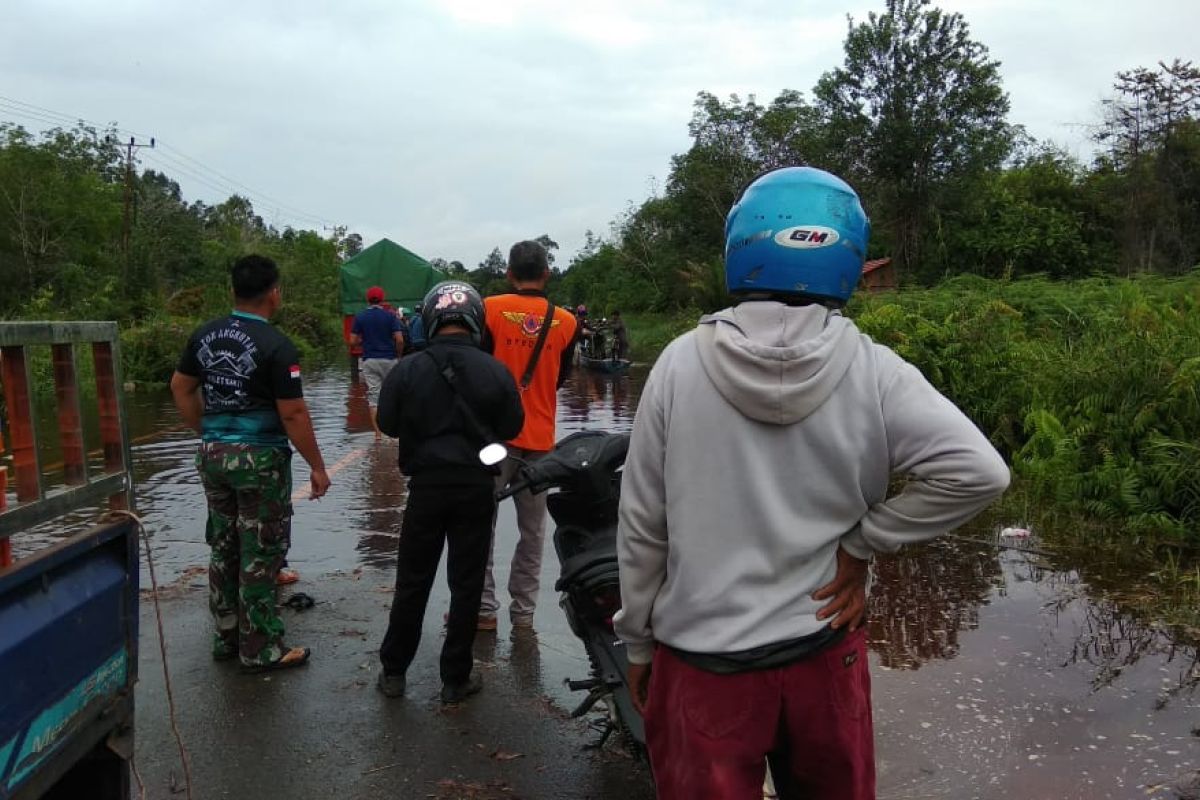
68	663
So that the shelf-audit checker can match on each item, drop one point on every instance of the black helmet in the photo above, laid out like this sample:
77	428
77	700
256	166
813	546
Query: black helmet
453	303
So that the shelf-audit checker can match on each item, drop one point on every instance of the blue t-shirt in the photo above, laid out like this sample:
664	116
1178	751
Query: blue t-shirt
416	332
377	327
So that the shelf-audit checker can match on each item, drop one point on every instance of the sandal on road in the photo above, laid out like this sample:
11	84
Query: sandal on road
287	576
295	657
299	601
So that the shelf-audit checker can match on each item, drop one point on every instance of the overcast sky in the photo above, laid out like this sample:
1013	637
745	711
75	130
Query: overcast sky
452	126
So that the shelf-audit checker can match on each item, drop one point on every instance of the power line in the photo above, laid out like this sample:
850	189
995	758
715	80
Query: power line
177	160
67	118
33	115
172	164
169	166
279	204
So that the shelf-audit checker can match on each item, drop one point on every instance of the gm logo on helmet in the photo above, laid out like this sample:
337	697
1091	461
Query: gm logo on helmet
805	237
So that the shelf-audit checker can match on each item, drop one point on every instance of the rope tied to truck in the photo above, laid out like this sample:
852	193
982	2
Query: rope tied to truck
184	756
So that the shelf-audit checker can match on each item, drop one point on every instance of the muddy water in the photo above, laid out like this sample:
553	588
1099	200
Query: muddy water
995	676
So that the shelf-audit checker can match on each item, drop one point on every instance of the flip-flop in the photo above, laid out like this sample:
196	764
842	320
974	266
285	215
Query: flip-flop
299	601
294	657
287	576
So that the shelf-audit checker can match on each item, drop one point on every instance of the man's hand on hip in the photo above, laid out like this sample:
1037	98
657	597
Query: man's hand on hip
848	591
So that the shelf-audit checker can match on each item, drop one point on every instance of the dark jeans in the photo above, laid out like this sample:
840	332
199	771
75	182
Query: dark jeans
462	516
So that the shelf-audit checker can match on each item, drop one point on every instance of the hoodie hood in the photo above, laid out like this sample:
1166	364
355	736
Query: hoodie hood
774	362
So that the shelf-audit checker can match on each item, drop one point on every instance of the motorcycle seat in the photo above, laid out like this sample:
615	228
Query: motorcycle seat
574	567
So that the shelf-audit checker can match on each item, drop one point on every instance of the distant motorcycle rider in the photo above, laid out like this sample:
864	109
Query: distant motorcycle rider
755	492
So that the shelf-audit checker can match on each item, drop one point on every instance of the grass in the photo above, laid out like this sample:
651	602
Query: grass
649	333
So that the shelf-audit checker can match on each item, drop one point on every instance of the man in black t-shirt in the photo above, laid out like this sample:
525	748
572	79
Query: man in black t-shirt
238	385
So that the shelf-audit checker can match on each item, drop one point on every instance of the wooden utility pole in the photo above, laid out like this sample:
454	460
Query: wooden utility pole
127	221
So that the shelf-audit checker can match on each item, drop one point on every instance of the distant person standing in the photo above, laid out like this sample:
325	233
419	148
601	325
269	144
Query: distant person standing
416	331
238	385
620	348
536	341
444	405
378	330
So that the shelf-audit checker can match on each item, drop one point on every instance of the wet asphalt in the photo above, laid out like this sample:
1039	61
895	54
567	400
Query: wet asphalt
995	674
323	730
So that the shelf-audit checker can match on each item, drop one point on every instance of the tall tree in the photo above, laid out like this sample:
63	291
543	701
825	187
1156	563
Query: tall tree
1147	107
732	142
488	277
1152	135
916	105
545	241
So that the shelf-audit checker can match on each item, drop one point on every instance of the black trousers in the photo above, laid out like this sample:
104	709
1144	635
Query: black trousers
461	516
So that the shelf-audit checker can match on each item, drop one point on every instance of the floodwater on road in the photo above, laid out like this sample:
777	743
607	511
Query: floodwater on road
994	674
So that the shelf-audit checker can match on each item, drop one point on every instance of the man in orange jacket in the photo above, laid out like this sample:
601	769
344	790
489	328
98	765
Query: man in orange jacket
515	322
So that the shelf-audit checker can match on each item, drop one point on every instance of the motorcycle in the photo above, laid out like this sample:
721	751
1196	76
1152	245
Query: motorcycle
585	468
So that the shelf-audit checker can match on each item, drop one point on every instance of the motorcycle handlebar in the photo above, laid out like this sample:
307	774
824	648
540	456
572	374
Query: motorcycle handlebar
511	489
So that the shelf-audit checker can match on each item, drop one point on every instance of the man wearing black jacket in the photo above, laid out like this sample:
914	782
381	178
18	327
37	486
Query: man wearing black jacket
444	404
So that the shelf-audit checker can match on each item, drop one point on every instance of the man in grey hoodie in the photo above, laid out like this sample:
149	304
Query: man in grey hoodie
743	576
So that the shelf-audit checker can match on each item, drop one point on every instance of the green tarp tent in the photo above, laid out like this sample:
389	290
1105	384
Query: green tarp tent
404	276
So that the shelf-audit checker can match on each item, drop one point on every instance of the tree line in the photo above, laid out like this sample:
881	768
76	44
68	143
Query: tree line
84	236
916	119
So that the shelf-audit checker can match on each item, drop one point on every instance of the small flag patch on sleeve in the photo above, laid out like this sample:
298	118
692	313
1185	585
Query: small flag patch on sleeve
294	371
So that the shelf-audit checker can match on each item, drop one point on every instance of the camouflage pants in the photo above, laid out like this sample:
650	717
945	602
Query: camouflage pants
249	493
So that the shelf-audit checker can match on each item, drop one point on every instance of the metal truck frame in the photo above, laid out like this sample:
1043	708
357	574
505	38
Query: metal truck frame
68	612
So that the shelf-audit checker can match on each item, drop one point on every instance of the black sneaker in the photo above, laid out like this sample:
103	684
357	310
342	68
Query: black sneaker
391	685
453	695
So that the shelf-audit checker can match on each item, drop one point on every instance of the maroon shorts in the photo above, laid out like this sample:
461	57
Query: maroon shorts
710	735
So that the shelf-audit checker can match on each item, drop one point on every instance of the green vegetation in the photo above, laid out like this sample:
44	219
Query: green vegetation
64	253
916	120
1089	387
650	333
1055	301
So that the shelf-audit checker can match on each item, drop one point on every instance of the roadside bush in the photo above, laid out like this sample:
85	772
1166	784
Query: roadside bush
150	350
312	332
1089	387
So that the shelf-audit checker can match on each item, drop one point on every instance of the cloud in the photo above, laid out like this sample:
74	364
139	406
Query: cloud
454	126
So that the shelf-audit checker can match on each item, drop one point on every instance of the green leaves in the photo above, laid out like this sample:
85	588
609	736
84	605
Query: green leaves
1091	386
917	106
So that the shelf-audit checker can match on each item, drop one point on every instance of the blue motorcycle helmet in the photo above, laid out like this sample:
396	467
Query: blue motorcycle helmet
796	233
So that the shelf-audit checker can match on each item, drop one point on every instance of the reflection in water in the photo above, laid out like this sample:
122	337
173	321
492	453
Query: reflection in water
358	411
381	505
599	401
1110	641
924	597
525	661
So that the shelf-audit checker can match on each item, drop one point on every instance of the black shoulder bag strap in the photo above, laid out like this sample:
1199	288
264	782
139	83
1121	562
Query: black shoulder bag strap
536	355
448	374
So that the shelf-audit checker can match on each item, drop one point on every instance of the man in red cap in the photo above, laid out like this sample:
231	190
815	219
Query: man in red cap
378	331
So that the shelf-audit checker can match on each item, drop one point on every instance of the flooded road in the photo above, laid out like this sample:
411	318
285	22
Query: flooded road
995	676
